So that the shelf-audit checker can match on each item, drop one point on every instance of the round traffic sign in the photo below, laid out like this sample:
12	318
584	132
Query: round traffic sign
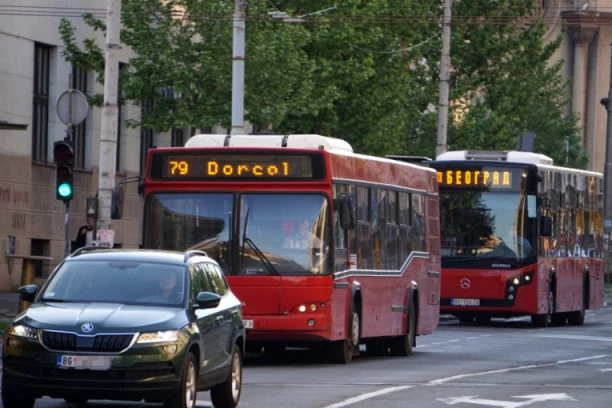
72	107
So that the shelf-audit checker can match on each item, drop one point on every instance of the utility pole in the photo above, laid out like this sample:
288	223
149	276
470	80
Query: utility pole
238	69
444	79
110	115
607	102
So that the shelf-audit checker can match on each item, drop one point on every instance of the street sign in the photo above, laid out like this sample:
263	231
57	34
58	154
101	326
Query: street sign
72	107
106	238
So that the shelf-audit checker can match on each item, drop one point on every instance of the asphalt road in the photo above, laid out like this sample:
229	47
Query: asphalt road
506	364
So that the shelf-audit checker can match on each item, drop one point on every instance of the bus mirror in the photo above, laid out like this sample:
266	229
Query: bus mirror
117	203
546	226
345	212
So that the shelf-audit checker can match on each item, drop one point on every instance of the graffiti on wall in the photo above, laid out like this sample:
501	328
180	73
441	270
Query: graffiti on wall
10	196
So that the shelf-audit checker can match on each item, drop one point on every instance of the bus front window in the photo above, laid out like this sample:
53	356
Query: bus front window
190	221
478	225
284	234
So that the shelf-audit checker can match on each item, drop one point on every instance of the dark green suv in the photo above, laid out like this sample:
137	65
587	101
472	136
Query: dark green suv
157	326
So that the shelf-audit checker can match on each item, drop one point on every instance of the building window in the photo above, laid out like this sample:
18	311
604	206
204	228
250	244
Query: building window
79	82
40	120
40	247
177	137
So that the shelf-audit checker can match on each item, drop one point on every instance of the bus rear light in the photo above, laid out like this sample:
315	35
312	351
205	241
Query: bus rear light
516	280
510	297
322	305
311	323
310	307
313	307
511	289
302	308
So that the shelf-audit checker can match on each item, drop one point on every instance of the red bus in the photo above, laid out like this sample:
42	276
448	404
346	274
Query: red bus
328	249
519	236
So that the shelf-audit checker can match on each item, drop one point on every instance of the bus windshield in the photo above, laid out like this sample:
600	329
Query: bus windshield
487	225
270	234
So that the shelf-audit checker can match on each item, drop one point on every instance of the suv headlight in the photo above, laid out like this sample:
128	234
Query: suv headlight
158	337
25	331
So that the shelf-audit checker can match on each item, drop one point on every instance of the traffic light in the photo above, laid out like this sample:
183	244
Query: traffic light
63	153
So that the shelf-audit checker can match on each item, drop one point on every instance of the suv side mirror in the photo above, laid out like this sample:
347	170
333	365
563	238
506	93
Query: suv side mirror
207	300
28	292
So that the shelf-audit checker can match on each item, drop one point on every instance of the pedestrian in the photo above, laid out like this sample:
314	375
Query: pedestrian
85	235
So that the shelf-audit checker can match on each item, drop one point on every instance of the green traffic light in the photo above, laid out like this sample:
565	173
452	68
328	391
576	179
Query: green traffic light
64	190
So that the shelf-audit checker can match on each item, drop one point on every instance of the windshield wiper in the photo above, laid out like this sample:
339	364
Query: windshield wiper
48	300
260	255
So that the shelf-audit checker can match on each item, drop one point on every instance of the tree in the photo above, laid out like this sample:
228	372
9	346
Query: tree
366	72
503	84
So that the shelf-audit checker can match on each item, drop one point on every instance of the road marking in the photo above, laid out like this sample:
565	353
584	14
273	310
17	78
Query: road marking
369	395
439	381
507	370
570	337
530	399
605	369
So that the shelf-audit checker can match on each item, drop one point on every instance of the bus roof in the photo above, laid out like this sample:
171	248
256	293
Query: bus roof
331	144
497	155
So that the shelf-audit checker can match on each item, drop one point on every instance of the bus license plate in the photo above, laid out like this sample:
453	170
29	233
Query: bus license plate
248	323
84	362
465	302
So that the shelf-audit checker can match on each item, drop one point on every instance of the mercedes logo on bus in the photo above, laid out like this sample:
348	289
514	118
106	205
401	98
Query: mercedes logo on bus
465	283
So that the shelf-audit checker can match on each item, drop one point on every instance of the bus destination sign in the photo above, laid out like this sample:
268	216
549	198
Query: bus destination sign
480	178
215	166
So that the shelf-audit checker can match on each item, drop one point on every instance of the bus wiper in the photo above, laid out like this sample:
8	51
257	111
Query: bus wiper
261	256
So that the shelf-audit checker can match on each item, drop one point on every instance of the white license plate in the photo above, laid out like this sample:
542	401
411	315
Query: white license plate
465	302
248	323
84	362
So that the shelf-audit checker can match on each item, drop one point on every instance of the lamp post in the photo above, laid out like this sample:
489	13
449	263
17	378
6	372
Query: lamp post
607	102
238	69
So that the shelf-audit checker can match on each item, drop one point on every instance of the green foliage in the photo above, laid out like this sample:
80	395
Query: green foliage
366	72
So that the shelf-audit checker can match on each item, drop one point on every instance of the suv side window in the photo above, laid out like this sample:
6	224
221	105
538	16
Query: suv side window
199	280
217	279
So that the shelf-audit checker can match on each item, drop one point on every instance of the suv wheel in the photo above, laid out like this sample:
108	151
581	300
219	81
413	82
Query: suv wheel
186	396
227	394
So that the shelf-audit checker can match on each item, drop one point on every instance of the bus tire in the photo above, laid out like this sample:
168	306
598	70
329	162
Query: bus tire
402	346
544	319
342	351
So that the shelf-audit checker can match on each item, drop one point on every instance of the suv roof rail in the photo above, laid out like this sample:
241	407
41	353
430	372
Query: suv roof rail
189	254
87	249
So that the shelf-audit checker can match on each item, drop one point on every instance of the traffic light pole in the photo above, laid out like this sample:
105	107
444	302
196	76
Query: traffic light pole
67	231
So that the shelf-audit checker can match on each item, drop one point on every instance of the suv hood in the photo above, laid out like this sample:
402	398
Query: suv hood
105	317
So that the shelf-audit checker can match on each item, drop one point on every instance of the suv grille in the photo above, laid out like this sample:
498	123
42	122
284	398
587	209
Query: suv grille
105	343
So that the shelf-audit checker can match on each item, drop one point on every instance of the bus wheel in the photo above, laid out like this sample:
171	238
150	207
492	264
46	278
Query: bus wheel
402	345
544	319
342	351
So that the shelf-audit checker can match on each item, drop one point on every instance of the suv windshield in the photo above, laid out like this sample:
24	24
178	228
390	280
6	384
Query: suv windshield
477	225
133	283
275	234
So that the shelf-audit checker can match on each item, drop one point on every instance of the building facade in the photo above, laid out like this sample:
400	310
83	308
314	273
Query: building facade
586	52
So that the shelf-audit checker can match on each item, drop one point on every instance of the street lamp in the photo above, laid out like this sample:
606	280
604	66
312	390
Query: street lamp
238	59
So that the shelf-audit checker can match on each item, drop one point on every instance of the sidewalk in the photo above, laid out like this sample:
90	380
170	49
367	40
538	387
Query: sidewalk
9	305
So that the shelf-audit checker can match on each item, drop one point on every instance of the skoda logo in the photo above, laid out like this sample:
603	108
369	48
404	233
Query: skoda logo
465	283
87	327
